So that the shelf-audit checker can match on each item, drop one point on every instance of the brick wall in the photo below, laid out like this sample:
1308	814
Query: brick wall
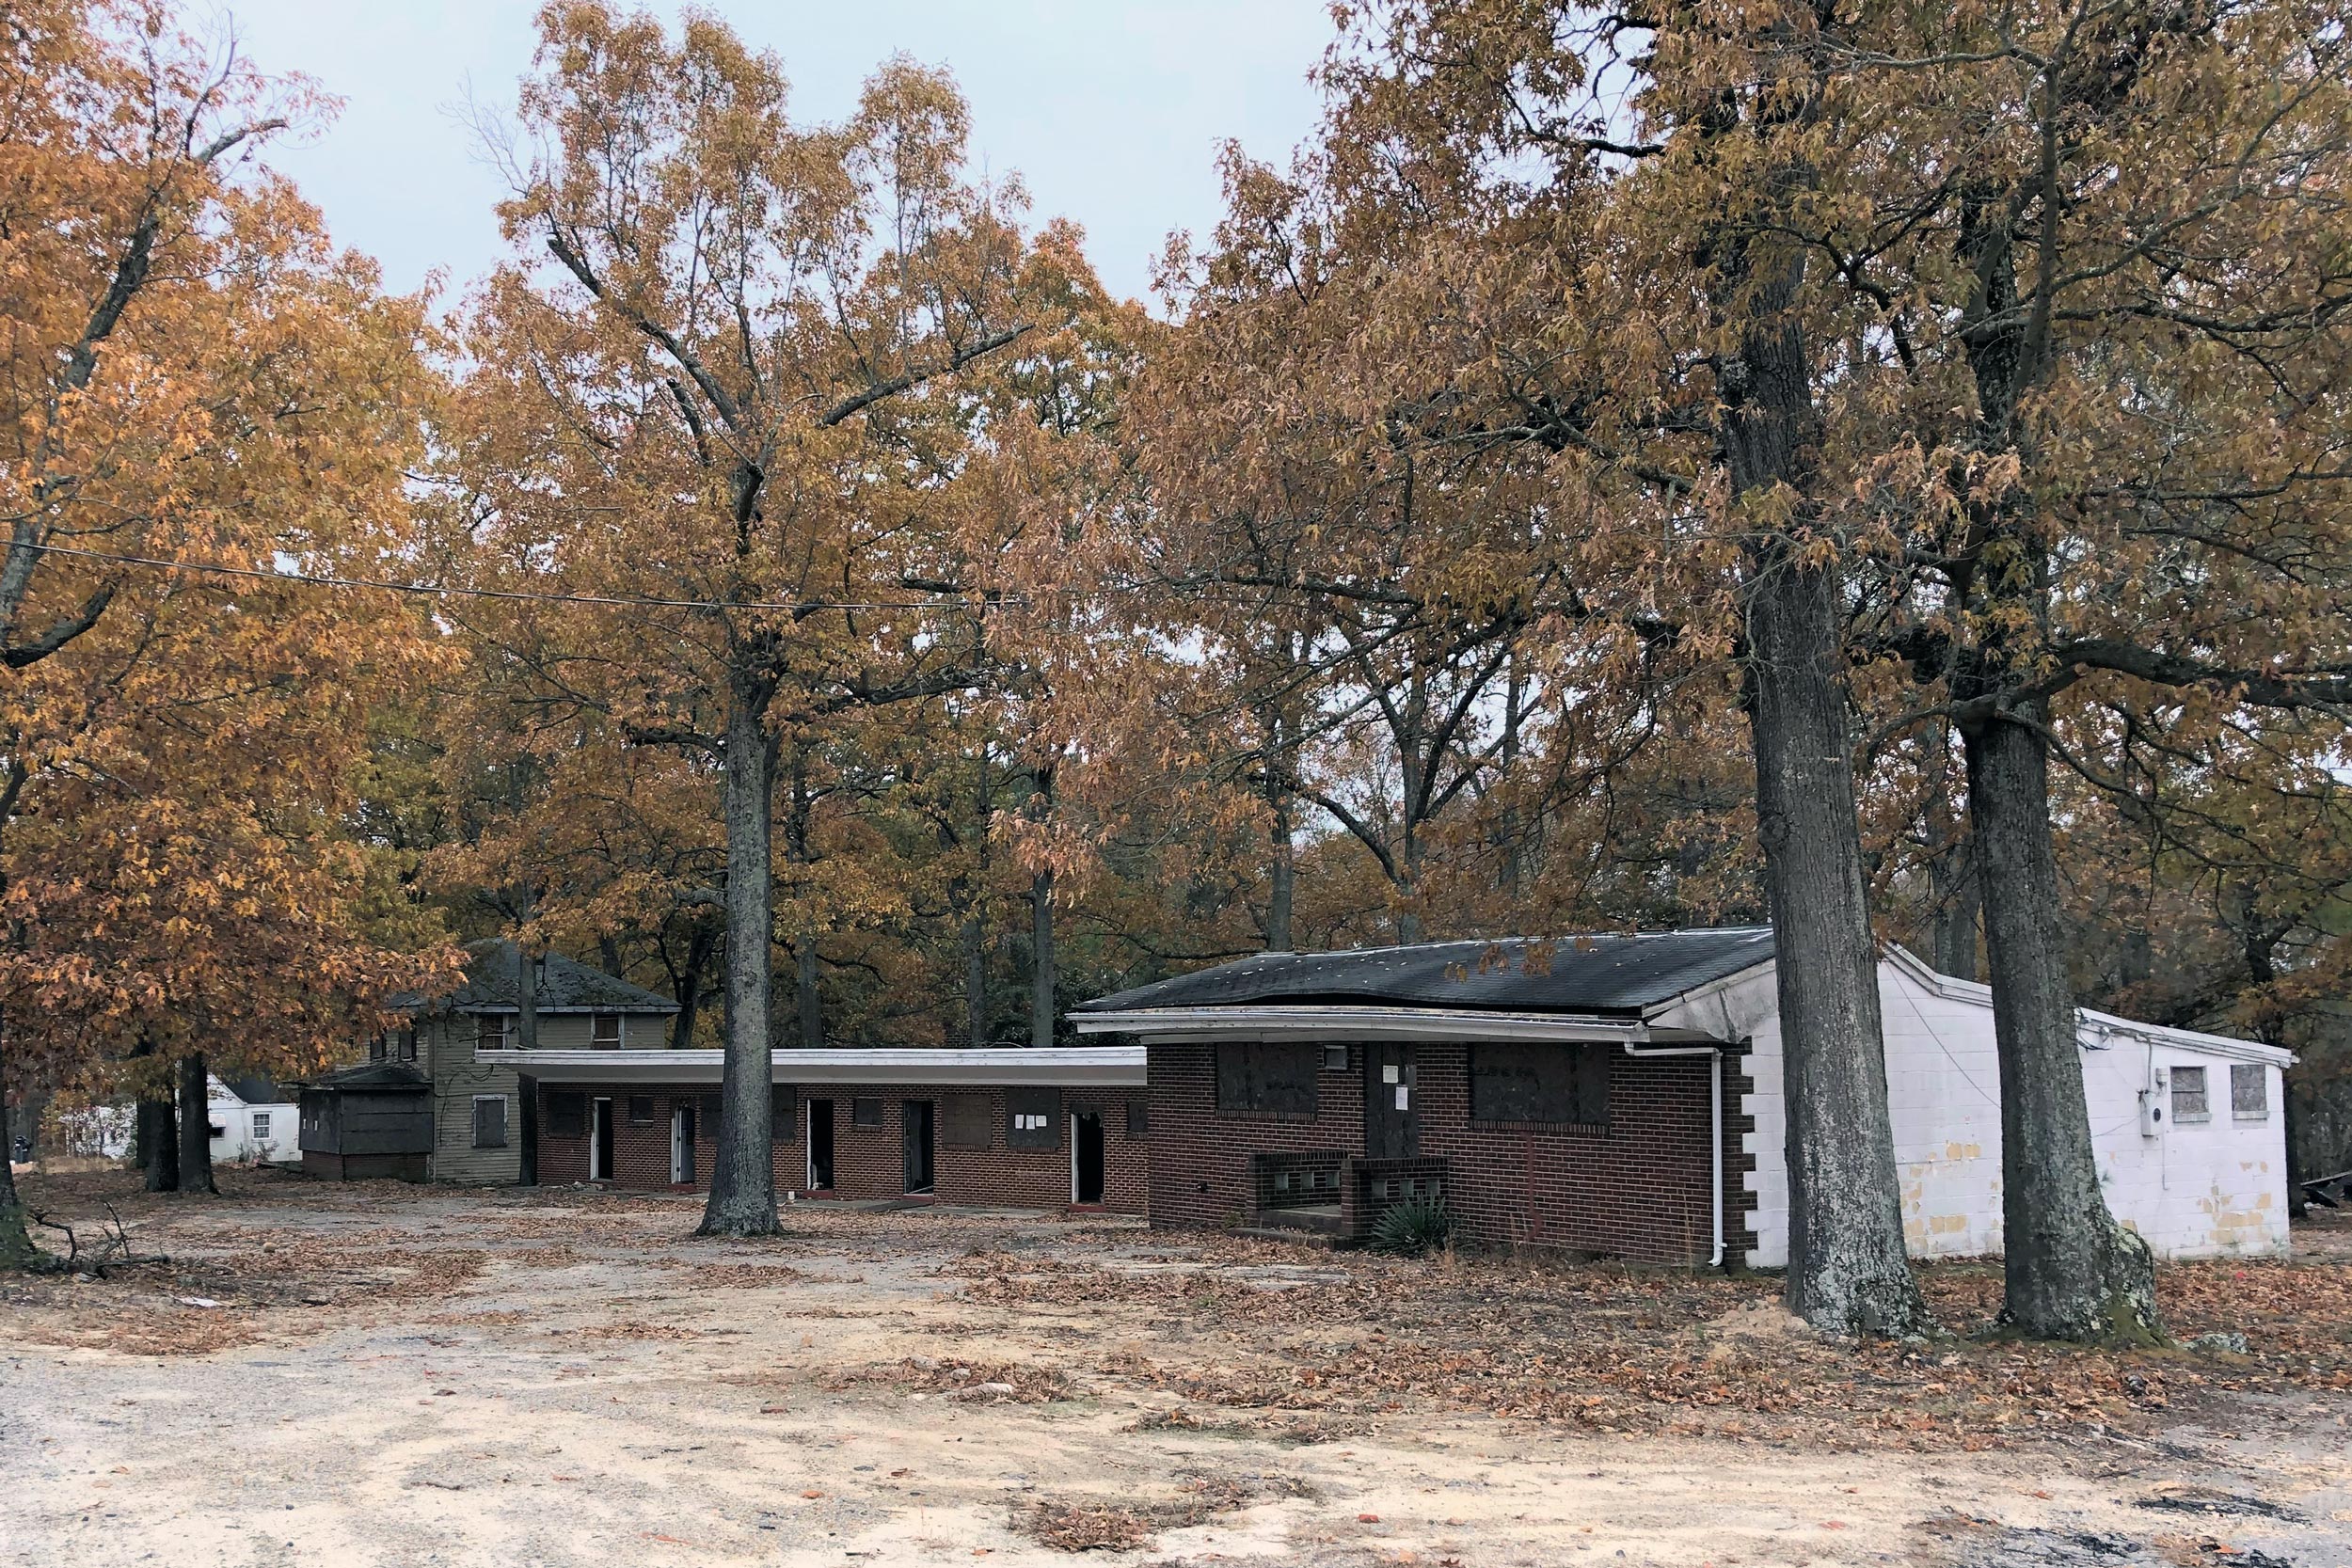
869	1162
1638	1188
1201	1171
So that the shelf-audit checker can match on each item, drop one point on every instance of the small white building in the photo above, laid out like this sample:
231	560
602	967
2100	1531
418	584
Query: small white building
2189	1127
253	1123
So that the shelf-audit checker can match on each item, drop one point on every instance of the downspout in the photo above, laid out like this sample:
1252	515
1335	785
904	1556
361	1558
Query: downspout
1714	1053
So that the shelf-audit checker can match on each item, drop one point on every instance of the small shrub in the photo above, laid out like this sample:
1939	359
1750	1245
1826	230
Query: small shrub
1413	1227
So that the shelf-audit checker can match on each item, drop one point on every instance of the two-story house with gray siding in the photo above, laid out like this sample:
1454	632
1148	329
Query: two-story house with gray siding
484	1111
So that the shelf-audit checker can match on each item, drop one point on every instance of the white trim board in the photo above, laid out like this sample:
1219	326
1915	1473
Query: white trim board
1067	1066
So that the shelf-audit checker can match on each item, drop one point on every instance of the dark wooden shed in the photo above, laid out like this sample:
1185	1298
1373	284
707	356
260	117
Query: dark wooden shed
369	1122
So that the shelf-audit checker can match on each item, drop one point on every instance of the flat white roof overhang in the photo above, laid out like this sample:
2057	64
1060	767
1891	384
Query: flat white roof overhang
1082	1067
1343	1023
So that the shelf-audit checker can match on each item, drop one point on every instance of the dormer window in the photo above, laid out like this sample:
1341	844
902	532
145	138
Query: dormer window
604	1031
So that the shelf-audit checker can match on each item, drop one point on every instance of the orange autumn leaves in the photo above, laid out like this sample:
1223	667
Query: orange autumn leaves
192	374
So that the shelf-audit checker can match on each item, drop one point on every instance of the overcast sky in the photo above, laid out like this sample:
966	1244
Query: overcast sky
1111	110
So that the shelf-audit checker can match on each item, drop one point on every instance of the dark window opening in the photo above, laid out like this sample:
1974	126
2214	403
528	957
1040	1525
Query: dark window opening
782	1099
1138	1118
640	1110
865	1112
1278	1079
489	1121
1565	1085
604	1031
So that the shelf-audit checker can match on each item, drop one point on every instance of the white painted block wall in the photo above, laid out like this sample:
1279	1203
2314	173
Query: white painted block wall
2218	1189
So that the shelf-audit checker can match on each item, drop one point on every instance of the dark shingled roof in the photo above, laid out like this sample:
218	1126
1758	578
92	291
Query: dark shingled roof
492	968
1570	974
255	1091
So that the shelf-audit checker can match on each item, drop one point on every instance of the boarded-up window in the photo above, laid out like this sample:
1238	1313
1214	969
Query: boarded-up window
1138	1118
375	1049
1032	1118
964	1121
567	1114
604	1031
2188	1095
489	1121
781	1102
408	1043
2249	1092
865	1112
1564	1085
641	1109
1274	1078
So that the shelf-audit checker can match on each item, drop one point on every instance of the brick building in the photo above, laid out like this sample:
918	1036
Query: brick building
1014	1127
1621	1096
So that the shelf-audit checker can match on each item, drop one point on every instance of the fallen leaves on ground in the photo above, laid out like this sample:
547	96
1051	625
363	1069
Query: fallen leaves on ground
999	1381
1085	1524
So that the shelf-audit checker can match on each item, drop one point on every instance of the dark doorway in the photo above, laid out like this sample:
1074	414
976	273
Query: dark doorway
1391	1103
820	1145
1085	1156
527	1091
682	1144
916	1127
600	1149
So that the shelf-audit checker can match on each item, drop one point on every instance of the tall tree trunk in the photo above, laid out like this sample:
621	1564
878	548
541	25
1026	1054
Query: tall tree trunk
196	1123
807	998
806	992
743	1197
17	1250
2262	968
159	1141
1281	881
1282	860
1848	1269
700	942
1041	978
526	998
976	1028
2071	1272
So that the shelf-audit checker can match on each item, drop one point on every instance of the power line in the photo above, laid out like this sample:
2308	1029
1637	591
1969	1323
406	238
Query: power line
427	590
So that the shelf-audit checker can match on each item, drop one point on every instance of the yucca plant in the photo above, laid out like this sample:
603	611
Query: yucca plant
1414	1227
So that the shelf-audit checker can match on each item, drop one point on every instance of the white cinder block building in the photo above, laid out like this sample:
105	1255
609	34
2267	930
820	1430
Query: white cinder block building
2189	1127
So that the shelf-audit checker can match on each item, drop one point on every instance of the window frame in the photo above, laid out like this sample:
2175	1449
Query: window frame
2203	1114
1584	1083
1304	1094
596	1032
260	1125
858	1113
504	1121
569	1113
491	1026
1033	1119
2258	1075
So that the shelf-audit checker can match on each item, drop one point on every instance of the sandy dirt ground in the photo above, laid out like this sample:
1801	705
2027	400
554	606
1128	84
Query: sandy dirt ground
379	1374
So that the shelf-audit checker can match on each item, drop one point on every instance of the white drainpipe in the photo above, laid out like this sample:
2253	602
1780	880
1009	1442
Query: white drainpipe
1715	1122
